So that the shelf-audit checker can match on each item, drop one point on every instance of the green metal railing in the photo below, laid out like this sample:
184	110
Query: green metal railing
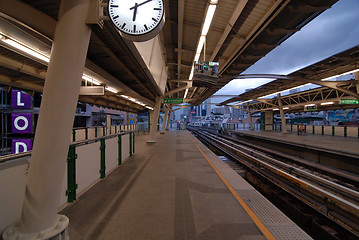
72	156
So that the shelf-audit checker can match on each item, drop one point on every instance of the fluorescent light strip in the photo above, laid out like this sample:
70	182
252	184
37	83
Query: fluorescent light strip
207	23
135	101
308	105
200	44
327	103
111	89
243	102
90	79
185	93
208	19
24	48
284	90
353	71
275	109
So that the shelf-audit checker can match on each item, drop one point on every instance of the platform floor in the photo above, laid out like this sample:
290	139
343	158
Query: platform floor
341	145
170	191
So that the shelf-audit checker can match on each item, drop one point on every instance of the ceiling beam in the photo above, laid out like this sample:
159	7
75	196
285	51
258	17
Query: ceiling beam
237	11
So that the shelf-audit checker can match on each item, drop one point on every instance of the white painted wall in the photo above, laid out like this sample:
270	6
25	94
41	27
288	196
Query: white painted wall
13	176
12	188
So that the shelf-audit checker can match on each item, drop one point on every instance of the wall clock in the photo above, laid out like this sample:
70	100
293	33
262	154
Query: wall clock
137	20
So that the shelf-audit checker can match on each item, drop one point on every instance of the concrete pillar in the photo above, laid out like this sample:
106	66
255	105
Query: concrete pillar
154	119
169	119
57	112
164	120
282	117
356	76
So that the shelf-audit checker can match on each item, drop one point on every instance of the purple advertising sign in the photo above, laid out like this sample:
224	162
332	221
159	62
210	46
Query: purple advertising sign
21	145
21	122
20	99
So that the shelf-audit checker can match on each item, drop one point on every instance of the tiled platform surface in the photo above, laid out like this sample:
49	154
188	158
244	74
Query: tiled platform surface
341	145
169	191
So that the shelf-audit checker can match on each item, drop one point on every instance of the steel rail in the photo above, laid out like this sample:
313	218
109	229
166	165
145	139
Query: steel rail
322	193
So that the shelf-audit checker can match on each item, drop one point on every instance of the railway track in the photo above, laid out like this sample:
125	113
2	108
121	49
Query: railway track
332	195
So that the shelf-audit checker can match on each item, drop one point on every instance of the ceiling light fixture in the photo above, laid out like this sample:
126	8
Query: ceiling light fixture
24	48
284	90
207	23
243	102
327	103
185	93
353	71
111	89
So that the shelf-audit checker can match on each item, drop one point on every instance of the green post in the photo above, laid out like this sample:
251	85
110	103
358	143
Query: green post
120	128
133	142
322	130
119	149
313	131
73	135
345	131
333	131
305	128
95	132
103	164
291	127
103	131
297	128
86	133
130	144
280	127
115	129
71	174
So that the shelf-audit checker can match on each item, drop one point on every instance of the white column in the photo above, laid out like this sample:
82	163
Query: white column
169	118
58	106
164	120
282	117
154	119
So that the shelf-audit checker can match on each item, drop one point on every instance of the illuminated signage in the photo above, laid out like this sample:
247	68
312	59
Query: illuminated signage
21	123
21	145
20	100
349	101
173	100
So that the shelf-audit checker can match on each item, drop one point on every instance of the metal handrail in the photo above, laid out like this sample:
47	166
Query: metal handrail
84	142
10	157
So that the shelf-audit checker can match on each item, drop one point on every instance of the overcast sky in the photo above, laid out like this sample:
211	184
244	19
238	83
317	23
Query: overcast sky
334	31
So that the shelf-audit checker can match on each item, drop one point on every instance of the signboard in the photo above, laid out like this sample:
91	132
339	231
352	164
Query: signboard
21	145
20	100
173	100
310	107
349	101
21	122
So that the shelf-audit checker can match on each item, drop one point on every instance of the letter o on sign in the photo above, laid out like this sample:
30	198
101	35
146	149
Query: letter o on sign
16	123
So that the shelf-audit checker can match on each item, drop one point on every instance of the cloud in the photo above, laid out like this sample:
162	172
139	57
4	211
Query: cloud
334	31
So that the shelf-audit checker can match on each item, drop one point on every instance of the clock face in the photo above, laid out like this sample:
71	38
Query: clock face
136	17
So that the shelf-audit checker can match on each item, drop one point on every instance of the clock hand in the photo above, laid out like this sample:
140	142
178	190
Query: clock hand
134	12
140	4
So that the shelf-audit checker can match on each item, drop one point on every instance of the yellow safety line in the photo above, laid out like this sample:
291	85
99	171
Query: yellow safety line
249	211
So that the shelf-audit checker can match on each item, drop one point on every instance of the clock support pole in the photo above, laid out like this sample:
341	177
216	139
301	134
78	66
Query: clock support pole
39	218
